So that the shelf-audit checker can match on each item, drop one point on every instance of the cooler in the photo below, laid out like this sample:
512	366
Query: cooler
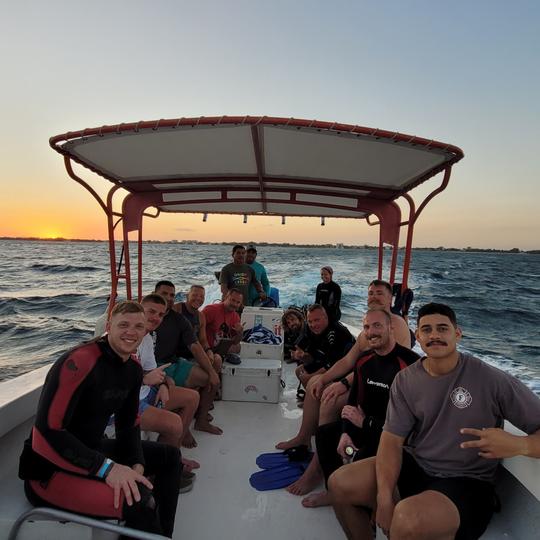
260	326
252	380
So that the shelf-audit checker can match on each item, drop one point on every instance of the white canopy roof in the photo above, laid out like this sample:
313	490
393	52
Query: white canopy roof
258	165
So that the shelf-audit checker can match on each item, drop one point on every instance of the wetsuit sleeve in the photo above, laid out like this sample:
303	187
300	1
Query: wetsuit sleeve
318	294
60	396
126	422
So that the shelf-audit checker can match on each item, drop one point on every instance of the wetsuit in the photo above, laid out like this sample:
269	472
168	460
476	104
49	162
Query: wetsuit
326	348
373	376
62	461
328	295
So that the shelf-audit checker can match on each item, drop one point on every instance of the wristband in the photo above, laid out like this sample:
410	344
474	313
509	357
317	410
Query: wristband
208	349
163	384
105	468
345	383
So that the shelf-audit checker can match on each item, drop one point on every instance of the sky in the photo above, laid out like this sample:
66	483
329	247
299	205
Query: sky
466	73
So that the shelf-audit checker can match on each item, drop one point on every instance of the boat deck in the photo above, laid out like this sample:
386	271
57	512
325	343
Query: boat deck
222	503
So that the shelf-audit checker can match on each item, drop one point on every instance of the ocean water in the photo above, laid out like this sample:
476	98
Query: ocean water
51	293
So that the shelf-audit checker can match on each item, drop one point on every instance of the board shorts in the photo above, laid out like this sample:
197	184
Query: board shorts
179	371
475	499
149	400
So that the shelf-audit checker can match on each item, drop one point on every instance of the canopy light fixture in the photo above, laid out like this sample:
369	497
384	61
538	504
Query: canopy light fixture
322	221
205	217
283	220
245	218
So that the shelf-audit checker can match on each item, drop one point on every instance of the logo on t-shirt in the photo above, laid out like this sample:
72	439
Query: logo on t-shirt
461	397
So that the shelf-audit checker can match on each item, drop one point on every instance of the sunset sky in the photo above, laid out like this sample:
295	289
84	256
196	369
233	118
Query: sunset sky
466	73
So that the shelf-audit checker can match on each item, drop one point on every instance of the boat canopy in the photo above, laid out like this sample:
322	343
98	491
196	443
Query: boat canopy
259	166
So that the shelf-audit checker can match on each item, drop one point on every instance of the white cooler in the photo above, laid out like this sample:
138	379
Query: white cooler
252	380
270	319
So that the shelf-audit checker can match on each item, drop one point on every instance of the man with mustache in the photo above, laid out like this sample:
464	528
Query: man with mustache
441	443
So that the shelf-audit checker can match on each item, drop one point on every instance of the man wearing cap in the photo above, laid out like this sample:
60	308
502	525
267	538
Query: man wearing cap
328	294
260	276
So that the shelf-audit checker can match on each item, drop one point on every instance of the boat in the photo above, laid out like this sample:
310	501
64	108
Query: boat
247	166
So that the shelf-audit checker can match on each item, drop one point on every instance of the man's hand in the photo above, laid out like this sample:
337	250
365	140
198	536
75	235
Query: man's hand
345	441
122	478
298	354
355	415
162	395
262	295
317	388
385	513
213	381
495	443
156	376
138	468
332	392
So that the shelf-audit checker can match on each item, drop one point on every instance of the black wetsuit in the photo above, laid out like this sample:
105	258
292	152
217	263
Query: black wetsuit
328	295
66	449
326	348
373	376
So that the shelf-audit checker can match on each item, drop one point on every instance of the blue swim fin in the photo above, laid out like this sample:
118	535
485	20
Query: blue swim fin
276	478
299	454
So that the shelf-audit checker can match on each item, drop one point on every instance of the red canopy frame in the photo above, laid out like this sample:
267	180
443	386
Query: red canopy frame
143	194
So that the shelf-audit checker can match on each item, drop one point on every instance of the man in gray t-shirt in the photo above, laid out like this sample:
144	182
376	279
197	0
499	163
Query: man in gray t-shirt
239	275
441	443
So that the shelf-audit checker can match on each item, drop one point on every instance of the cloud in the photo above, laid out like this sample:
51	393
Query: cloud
184	229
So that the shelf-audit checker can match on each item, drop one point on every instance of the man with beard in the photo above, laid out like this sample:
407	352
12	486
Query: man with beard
441	444
173	334
363	416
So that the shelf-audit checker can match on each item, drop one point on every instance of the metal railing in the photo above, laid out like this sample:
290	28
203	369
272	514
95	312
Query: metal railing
63	516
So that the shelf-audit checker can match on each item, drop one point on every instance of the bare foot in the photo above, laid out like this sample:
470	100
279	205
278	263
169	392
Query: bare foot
189	441
306	483
291	443
208	427
190	464
313	500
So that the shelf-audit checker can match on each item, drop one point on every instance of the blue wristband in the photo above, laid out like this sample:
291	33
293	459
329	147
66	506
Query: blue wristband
105	468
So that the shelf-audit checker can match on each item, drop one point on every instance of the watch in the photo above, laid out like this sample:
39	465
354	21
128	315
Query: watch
345	383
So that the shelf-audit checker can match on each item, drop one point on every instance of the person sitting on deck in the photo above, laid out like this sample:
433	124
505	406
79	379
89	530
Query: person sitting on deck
172	335
362	418
321	346
325	398
191	310
66	463
441	443
160	398
260	275
240	275
328	294
223	323
294	326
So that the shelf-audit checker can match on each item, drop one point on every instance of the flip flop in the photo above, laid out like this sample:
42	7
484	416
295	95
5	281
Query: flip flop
277	478
297	454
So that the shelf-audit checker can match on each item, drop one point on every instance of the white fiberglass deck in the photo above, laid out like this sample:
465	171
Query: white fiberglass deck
223	504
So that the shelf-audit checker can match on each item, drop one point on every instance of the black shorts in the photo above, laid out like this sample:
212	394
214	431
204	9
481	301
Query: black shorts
475	499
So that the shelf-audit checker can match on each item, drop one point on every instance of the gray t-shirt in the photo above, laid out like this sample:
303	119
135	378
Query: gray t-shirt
430	411
239	276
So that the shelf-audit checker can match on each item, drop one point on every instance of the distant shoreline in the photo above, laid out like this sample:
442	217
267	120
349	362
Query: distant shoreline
278	244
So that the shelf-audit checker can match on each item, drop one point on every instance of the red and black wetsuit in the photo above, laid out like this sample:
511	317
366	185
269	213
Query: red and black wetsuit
66	448
373	376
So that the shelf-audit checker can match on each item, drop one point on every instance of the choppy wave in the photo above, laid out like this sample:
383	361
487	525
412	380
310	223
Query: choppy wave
52	294
63	268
